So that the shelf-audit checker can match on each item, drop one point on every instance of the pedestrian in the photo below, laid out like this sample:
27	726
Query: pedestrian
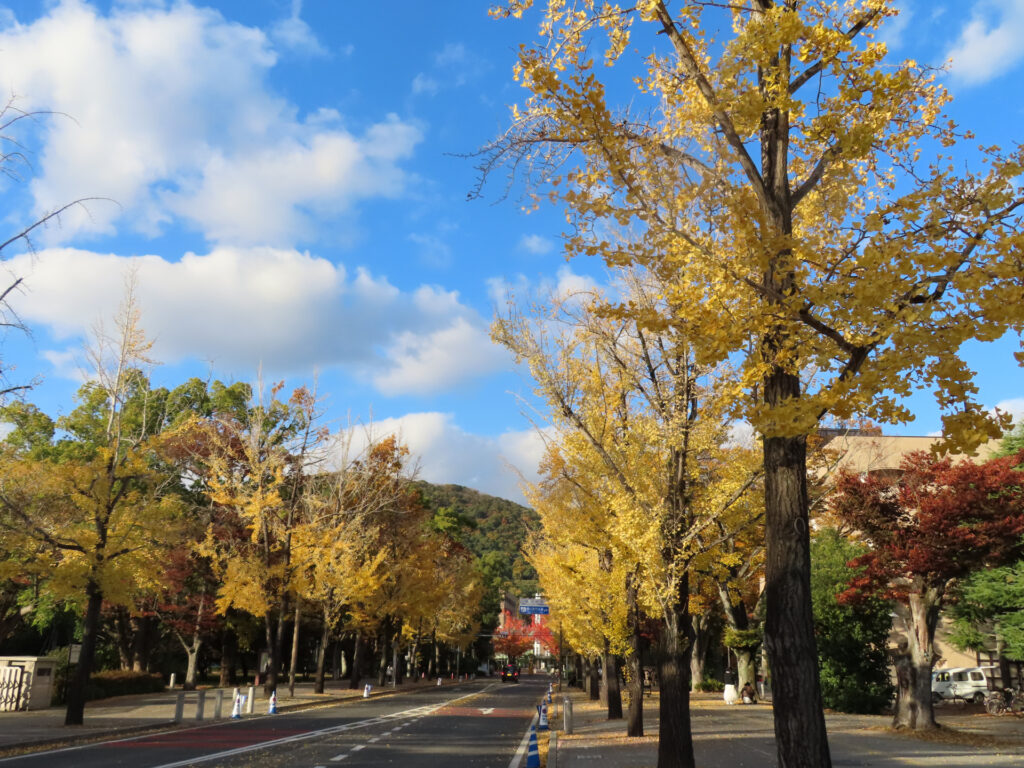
748	694
729	694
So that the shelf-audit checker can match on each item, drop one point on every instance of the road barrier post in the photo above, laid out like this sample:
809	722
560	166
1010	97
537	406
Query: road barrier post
179	707
250	708
201	705
567	714
218	705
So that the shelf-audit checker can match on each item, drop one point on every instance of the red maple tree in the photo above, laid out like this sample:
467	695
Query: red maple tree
516	636
932	524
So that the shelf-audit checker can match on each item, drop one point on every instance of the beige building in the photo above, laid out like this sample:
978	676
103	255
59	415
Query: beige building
866	451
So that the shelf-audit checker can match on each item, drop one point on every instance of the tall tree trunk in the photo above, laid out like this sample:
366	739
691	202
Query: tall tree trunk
341	663
192	667
275	646
746	666
675	739
594	684
227	662
321	656
123	636
635	722
76	691
140	641
294	661
800	734
435	657
613	695
358	650
914	664
385	652
580	680
701	643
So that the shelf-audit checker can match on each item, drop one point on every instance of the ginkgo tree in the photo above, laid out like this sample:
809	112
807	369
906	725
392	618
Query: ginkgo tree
791	184
92	512
630	393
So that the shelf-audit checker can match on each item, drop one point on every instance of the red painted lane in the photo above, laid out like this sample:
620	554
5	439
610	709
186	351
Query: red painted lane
478	712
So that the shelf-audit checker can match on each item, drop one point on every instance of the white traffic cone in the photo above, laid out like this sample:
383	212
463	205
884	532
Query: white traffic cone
236	709
272	706
439	681
366	691
542	722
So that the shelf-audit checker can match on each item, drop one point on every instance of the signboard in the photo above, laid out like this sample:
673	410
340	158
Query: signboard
533	605
532	609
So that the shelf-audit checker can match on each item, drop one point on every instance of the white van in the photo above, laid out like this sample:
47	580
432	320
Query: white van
968	683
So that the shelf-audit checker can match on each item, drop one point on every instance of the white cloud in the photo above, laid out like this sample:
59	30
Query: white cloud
429	362
894	29
453	54
536	244
564	285
433	250
424	84
989	45
295	34
290	311
449	454
150	127
1013	406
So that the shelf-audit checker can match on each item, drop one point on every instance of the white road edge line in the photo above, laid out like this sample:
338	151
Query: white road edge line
301	736
518	756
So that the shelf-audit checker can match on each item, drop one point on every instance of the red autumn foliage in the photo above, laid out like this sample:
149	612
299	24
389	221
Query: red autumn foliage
516	636
936	522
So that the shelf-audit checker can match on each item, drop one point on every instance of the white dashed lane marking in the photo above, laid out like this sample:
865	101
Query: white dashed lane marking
357	747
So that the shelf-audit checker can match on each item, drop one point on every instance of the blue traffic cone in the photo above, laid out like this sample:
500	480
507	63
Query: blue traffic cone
272	707
542	721
532	751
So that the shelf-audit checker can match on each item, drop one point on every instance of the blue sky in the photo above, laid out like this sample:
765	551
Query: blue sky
287	183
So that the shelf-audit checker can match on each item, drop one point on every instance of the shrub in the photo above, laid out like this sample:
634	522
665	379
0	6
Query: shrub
104	685
851	638
710	685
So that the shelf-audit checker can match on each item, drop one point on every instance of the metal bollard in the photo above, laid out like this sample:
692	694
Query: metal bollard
200	705
567	714
174	677
179	707
251	703
218	705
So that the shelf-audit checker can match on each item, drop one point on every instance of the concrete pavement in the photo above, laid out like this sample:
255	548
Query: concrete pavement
743	737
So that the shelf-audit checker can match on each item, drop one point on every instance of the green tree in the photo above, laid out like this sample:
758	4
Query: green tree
988	610
851	637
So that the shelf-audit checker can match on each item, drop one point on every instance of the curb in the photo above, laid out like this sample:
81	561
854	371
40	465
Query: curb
553	750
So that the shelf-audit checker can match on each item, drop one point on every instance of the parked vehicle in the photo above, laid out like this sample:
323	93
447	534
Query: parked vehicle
967	683
510	672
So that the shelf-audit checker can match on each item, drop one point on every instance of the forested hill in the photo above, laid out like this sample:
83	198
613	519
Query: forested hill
497	532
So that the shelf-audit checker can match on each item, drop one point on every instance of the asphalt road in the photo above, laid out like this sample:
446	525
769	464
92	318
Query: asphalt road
480	724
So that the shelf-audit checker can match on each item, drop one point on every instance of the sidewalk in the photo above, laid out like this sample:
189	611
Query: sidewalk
743	737
126	715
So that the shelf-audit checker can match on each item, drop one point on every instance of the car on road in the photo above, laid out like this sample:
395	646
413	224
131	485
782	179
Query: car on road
510	672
